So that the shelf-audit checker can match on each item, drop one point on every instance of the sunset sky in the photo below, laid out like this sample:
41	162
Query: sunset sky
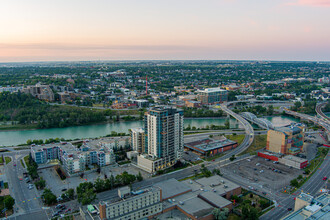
63	30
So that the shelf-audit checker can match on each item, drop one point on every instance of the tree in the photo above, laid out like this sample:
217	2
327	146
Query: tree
87	197
232	158
99	185
206	172
216	171
41	183
270	110
220	214
263	204
245	212
249	213
70	193
9	202
139	177
85	193
49	197
294	183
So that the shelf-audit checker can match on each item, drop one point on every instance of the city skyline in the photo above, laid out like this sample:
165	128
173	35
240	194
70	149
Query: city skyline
164	30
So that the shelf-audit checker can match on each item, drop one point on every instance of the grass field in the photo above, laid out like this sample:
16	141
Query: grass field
1	160
26	159
23	165
7	159
238	138
258	143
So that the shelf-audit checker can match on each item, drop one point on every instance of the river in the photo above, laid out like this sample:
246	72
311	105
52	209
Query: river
9	138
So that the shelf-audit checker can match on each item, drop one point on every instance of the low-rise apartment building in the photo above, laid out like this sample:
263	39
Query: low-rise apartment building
74	159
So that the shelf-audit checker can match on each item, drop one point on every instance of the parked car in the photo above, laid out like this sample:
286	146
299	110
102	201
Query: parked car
58	206
325	178
289	209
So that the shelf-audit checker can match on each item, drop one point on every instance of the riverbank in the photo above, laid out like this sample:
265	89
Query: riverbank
9	138
18	127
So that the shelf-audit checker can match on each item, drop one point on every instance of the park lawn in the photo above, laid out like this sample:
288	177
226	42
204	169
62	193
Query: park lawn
7	159
238	138
258	143
1	160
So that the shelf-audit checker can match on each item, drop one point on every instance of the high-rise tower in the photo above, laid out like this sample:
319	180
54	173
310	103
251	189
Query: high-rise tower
163	128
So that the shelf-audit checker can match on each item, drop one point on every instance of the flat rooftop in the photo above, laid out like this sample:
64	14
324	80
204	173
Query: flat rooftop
208	144
215	199
172	187
210	90
132	194
294	158
322	214
190	203
217	183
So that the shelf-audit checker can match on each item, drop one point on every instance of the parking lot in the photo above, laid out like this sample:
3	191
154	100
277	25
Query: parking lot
190	156
54	182
262	173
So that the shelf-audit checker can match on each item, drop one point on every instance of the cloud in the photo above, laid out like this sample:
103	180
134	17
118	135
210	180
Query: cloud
315	3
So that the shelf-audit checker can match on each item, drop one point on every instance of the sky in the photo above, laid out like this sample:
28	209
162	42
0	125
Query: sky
83	30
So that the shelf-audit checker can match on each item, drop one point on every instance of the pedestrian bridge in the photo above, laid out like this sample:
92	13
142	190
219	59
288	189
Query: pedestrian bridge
261	122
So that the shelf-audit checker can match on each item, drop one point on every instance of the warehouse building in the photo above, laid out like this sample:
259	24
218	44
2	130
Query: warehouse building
293	161
288	160
210	147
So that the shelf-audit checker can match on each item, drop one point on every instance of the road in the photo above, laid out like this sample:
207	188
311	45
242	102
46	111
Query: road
319	111
319	121
312	186
249	132
27	202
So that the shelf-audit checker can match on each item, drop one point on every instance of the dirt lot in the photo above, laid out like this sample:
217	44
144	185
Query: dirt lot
263	174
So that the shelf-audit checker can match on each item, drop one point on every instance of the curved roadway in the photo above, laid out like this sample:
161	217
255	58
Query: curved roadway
319	111
320	121
249	132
